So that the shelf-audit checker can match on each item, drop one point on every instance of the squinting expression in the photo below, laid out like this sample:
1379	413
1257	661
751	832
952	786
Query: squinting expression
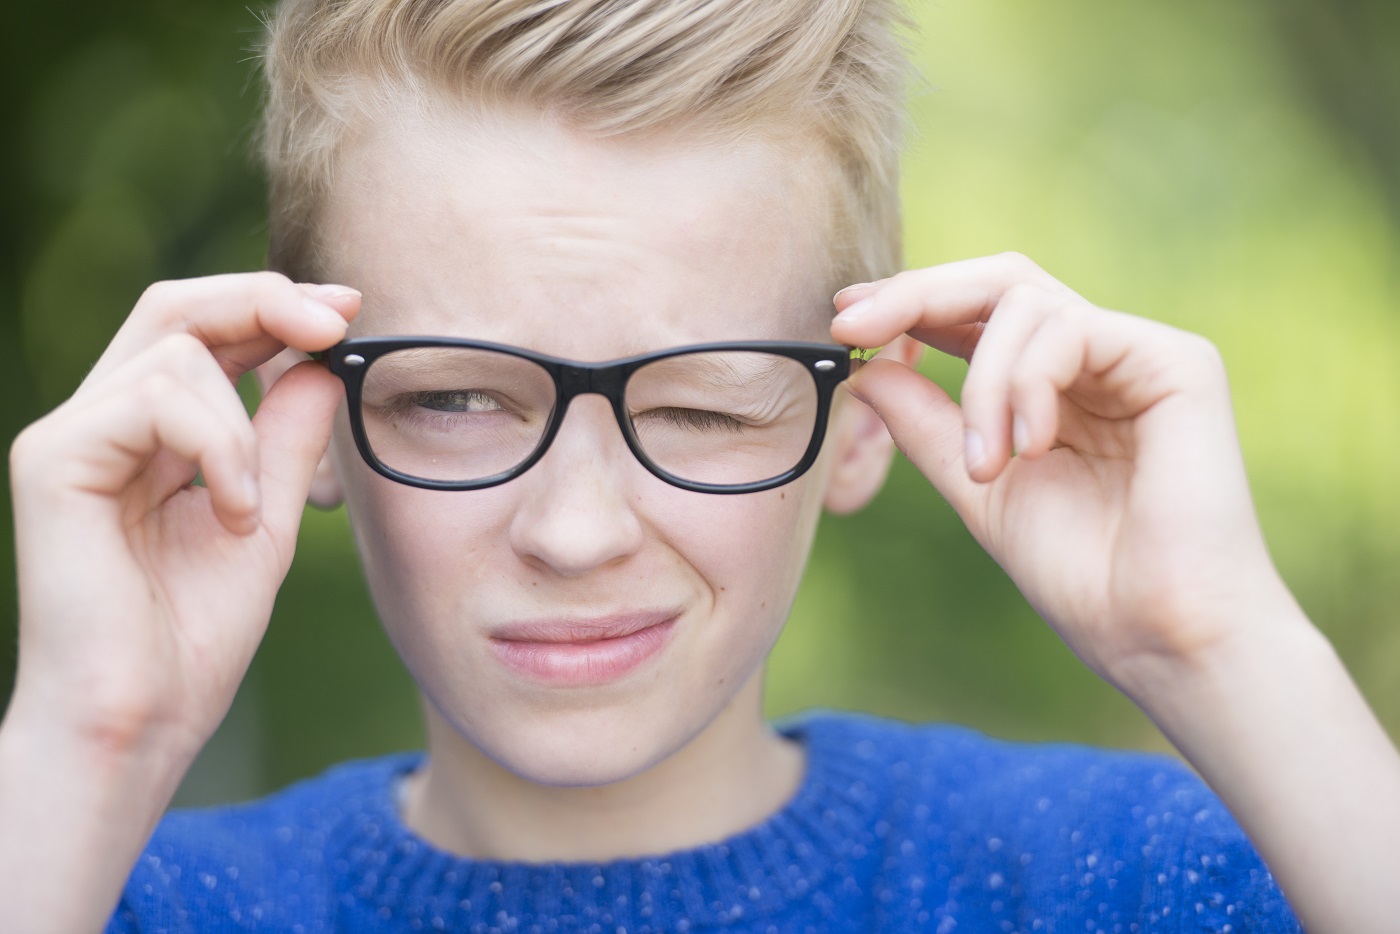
585	620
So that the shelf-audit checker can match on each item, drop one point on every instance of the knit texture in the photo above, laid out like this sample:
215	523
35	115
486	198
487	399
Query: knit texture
894	828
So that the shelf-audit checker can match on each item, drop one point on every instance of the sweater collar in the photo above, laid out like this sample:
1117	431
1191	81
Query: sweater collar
397	876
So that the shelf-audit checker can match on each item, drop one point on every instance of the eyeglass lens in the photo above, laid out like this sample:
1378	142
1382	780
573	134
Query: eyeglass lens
459	414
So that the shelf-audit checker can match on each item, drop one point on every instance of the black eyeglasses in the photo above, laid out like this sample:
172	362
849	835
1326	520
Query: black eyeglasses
452	414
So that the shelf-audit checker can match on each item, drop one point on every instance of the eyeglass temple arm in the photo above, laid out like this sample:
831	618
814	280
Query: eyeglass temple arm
861	356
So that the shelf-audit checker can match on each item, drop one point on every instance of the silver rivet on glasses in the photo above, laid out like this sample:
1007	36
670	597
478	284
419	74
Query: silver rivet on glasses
824	365
354	359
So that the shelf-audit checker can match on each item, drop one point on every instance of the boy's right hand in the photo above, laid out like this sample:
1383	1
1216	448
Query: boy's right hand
143	596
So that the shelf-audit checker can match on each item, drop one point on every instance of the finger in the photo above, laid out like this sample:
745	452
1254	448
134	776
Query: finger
293	425
103	445
958	340
270	372
954	297
925	424
986	390
1107	365
186	360
243	318
1052	361
854	293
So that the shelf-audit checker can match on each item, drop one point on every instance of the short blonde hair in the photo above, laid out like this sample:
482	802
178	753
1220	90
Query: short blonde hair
830	69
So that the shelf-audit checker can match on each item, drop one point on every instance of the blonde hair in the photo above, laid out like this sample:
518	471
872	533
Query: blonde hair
834	69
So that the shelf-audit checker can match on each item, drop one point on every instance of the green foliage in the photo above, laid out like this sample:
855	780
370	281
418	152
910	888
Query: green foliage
1228	167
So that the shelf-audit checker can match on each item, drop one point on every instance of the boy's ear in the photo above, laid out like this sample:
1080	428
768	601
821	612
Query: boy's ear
326	491
863	448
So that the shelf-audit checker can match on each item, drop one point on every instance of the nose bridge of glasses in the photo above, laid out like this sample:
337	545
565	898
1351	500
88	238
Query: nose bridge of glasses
605	379
582	379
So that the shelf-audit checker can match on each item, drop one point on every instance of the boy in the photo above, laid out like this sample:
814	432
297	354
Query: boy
584	566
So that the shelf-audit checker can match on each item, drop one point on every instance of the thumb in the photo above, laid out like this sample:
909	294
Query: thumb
293	424
925	424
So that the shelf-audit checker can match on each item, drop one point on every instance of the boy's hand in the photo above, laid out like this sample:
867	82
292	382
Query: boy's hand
1125	517
142	596
1126	520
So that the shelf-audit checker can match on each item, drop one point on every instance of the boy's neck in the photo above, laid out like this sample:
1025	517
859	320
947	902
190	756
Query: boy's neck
736	773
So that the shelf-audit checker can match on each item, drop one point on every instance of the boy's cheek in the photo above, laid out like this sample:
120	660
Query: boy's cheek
420	547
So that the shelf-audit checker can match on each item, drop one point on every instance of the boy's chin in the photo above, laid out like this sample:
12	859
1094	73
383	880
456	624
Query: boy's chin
589	769
585	749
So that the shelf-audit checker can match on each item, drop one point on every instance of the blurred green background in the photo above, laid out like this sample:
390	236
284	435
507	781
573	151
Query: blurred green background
1231	166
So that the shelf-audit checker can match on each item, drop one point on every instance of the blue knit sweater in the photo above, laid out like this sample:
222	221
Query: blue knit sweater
895	828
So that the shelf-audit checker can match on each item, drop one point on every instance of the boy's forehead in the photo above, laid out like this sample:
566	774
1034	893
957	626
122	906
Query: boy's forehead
513	227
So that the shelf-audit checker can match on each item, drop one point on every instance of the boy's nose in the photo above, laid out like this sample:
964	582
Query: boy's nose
575	514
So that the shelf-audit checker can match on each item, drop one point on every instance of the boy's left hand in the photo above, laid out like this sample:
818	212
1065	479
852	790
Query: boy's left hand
1124	516
1126	520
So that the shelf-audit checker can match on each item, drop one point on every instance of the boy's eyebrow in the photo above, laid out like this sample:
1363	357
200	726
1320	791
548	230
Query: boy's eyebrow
725	374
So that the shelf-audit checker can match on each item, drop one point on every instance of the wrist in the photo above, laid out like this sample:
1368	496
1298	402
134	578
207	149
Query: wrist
76	817
1258	643
1271	720
129	755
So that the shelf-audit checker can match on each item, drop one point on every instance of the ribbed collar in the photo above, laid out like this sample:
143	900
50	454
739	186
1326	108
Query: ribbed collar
395	875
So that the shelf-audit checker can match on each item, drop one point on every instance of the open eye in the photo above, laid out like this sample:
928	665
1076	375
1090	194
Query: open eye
454	400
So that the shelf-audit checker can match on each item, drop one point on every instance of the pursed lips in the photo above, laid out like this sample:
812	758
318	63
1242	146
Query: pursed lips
594	629
583	651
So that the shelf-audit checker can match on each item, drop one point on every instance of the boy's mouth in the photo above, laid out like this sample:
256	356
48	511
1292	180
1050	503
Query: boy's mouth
576	652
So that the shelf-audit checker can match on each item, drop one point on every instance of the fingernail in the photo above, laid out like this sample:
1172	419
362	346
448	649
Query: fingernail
251	494
1020	434
857	311
330	292
323	312
974	451
858	285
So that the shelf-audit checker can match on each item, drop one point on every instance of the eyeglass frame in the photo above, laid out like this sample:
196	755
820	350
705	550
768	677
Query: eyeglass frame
827	364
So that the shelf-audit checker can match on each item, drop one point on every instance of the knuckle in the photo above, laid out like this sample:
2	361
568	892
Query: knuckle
182	345
1068	317
159	292
1198	350
1206	352
29	450
182	354
1021	298
271	278
1023	382
155	390
903	284
186	348
1204	357
42	452
906	276
161	300
1018	263
267	285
